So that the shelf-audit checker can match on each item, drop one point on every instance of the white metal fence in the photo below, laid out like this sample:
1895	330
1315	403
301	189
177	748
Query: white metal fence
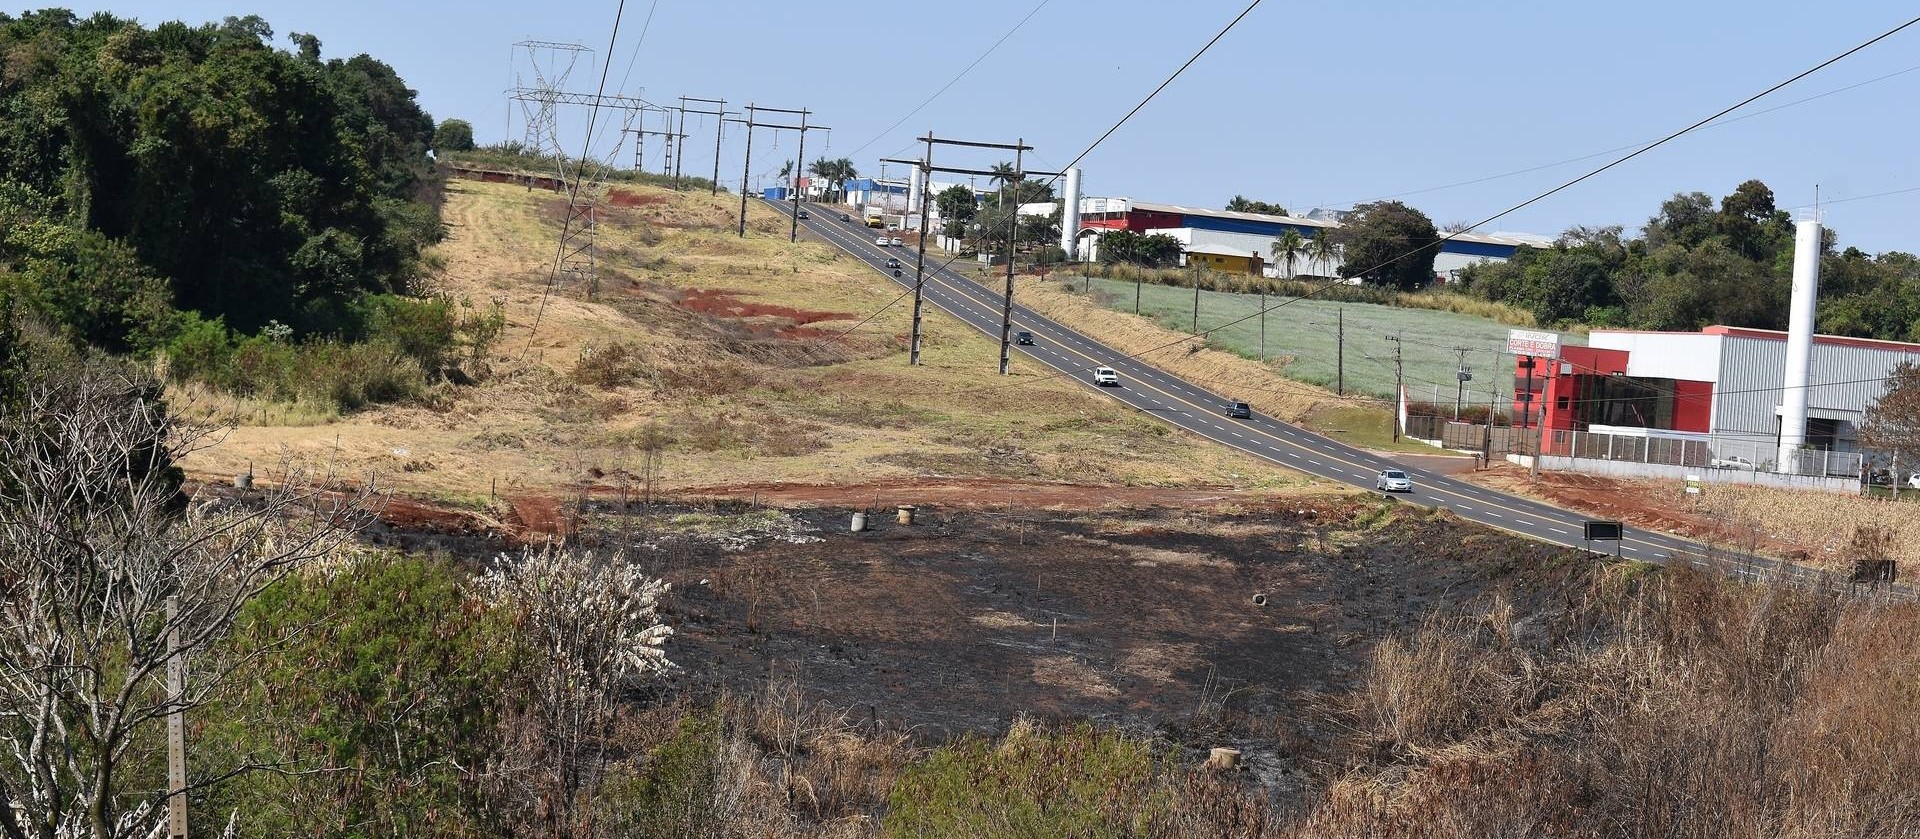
1713	452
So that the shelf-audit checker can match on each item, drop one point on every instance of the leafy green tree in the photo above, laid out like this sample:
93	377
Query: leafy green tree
1388	243
453	135
956	203
1892	423
1243	204
257	184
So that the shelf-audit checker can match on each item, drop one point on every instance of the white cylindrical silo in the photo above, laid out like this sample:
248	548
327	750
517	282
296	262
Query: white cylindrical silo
916	192
1070	214
1793	394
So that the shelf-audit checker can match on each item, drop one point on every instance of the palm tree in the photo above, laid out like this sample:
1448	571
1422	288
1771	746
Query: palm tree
1003	174
1322	251
1288	248
836	173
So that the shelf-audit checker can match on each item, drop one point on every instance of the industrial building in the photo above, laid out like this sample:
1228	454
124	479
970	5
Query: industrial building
1755	399
1245	237
1721	384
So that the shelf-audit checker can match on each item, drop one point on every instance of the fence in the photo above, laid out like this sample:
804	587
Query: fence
1711	452
1470	436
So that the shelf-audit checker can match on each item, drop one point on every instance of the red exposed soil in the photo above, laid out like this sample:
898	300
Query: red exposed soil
782	321
407	514
977	493
623	198
1603	497
536	519
728	305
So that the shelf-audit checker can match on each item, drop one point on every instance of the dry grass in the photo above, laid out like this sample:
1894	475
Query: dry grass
1679	704
1821	523
1222	372
743	397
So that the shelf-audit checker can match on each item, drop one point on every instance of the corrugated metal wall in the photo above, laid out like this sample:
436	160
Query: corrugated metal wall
1756	367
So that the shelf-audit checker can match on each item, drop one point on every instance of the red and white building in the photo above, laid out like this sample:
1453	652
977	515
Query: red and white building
1721	385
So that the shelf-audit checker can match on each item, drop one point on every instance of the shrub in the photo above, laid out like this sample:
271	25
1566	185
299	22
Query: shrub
1078	782
609	366
392	680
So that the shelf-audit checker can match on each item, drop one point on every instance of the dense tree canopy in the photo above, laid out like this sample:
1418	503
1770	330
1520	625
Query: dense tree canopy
1695	265
453	135
1388	243
1243	204
203	169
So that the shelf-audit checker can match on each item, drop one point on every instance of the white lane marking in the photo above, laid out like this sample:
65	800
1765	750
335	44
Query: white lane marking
1495	515
1187	391
1294	455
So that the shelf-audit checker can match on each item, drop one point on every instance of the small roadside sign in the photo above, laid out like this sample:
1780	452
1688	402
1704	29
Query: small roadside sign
1600	530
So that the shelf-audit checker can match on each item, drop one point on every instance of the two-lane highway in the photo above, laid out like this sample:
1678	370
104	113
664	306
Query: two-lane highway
1202	412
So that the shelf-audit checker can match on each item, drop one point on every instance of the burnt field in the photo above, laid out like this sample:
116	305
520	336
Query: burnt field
1222	624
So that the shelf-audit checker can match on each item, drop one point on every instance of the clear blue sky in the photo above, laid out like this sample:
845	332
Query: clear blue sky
1305	104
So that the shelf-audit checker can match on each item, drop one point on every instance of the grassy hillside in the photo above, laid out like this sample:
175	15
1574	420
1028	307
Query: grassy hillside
740	358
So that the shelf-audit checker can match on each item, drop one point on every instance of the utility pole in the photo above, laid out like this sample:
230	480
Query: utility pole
720	114
925	173
1263	323
746	166
1196	306
1461	377
1399	386
799	166
924	169
1013	234
640	136
746	170
1136	293
1340	354
673	138
176	727
1486	445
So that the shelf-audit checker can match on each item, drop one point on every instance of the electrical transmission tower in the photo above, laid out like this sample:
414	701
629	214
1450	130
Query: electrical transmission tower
583	178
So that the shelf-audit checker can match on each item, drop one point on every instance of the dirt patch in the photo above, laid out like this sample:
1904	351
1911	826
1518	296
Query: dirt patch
626	198
536	519
971	616
979	493
729	305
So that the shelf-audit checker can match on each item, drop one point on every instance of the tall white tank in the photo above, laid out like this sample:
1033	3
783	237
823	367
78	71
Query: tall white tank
1793	396
916	187
1070	215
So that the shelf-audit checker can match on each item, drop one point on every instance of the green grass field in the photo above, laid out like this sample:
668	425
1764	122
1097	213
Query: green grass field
1301	338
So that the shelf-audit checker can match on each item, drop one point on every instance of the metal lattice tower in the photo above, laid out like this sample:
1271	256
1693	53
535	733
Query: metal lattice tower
583	178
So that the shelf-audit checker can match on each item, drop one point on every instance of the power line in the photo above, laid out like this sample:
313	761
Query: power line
950	83
1616	149
1503	213
573	196
1013	218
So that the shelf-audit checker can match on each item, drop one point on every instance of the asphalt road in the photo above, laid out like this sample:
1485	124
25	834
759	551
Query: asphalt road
1200	411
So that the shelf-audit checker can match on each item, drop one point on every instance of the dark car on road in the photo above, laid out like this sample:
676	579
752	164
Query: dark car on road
846	218
1239	410
803	214
1024	339
893	263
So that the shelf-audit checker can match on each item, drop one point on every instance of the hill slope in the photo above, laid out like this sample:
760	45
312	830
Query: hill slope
746	360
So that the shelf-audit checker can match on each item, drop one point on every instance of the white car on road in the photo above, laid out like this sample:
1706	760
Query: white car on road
880	240
1106	377
1393	480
